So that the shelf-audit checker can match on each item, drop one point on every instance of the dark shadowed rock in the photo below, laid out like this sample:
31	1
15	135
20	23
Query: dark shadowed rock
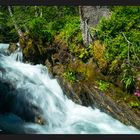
18	105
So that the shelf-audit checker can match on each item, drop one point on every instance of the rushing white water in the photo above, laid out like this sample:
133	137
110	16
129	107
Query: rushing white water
3	48
61	114
17	55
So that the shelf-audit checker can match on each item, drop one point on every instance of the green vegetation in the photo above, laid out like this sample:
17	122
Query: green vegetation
53	33
70	29
103	86
40	22
120	34
70	76
135	104
7	30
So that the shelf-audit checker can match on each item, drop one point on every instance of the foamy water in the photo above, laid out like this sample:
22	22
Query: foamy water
62	115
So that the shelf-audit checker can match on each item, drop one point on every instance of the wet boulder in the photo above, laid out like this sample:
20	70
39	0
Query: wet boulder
12	47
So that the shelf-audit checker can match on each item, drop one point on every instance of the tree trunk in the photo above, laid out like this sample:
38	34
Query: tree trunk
41	13
90	17
20	33
36	13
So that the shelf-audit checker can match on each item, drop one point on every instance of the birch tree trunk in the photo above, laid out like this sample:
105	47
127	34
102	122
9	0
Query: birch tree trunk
20	33
41	13
36	13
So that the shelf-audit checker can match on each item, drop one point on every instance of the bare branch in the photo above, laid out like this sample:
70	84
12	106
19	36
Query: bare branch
128	54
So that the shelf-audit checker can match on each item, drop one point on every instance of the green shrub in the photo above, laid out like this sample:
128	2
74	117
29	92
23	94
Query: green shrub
123	20
103	86
71	28
134	104
128	78
37	28
70	76
120	34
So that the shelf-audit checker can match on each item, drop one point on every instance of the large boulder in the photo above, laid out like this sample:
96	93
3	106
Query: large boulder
12	48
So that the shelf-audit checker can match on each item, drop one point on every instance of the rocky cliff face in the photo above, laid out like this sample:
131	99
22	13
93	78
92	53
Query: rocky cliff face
90	16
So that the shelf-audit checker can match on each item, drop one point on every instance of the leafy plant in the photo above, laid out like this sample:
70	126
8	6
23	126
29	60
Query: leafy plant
128	78
70	29
70	75
120	34
134	104
103	86
84	54
123	19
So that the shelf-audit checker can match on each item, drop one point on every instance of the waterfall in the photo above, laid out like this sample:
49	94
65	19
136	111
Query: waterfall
17	55
3	48
33	87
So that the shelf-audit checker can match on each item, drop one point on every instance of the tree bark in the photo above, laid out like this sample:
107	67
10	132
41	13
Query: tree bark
90	17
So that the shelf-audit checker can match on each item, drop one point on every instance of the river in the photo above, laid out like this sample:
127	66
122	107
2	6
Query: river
61	115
